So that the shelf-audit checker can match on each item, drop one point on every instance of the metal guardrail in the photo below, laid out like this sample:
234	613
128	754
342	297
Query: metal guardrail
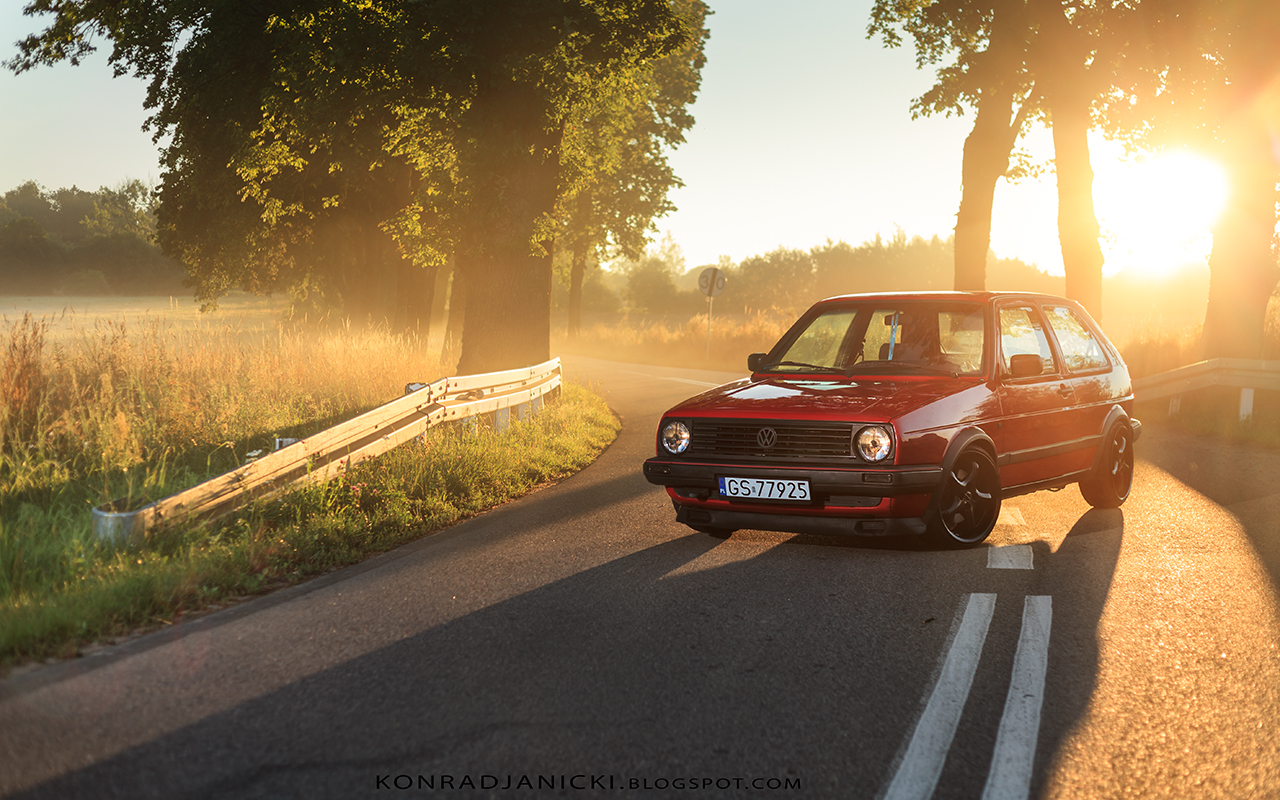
1246	374
325	454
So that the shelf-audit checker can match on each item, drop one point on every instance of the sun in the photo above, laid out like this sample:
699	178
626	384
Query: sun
1156	213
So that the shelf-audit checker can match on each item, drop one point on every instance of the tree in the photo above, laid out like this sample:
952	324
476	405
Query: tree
127	209
1013	61
651	279
333	147
1205	74
619	147
989	43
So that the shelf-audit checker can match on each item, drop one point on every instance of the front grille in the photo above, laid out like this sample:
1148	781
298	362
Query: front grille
721	438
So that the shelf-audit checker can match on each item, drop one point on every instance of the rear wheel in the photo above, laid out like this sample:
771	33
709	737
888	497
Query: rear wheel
1109	486
965	507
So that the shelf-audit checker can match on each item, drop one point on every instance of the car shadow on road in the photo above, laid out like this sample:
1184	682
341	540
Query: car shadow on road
1078	576
683	659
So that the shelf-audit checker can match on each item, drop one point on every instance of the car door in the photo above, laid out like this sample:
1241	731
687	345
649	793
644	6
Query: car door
1034	409
1087	369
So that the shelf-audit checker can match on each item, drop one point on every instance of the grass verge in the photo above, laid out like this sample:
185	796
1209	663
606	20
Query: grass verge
60	588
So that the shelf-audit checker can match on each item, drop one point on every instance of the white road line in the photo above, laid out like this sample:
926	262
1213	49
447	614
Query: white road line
664	378
1010	556
917	775
1015	755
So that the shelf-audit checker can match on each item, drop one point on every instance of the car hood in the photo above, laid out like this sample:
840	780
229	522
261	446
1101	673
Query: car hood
872	399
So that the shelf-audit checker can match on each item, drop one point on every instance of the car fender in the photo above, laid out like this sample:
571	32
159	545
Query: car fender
964	438
1116	416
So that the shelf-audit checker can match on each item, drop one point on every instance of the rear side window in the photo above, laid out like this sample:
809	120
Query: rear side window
1080	350
1021	332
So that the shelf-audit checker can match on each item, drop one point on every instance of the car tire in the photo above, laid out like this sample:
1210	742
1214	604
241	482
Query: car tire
1109	486
966	505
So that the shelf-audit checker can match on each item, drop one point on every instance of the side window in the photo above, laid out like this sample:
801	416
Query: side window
1079	349
1021	332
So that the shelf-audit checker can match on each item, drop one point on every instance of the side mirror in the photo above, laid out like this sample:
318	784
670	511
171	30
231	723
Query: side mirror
755	361
1026	365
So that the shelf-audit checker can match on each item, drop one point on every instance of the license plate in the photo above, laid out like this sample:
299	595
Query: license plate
764	488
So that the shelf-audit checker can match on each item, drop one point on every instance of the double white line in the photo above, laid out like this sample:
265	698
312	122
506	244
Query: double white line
1015	753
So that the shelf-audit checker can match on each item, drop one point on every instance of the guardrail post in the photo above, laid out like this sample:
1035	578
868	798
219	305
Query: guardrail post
1175	405
1246	404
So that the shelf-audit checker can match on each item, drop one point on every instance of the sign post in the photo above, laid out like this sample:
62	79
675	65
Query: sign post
711	282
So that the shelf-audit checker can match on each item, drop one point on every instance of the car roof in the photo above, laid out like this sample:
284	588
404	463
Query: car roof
983	296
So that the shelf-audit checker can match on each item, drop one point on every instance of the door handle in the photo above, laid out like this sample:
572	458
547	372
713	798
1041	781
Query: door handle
1064	390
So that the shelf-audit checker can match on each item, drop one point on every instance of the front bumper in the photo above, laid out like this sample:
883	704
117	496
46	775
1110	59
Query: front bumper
825	482
844	500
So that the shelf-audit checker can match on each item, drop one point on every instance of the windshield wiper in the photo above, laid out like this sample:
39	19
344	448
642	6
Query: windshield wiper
825	368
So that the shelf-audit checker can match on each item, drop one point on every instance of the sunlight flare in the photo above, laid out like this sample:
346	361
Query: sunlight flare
1157	213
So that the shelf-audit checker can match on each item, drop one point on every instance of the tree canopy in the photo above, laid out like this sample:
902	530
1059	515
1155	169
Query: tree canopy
1152	72
343	149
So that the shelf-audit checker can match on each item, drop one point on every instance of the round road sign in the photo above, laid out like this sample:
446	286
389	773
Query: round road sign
711	281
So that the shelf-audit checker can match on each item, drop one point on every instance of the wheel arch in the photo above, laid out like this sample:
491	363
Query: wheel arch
964	438
1116	416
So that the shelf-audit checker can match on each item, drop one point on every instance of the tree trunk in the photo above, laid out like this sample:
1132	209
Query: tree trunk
577	271
986	159
1068	94
1077	221
514	186
988	145
457	306
1242	266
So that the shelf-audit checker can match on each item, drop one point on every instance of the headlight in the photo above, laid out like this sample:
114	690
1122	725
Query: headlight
675	437
874	442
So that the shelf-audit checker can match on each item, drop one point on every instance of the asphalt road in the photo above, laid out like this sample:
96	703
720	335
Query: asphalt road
580	643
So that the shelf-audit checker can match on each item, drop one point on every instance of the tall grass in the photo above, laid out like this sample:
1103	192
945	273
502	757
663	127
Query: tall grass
129	407
139	410
60	588
682	343
1159	349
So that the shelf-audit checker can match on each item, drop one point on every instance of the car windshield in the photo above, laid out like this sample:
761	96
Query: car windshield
889	338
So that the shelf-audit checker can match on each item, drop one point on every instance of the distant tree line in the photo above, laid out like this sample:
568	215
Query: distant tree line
790	280
73	242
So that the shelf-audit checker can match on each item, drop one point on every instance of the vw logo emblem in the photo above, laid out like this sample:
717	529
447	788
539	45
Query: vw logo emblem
767	437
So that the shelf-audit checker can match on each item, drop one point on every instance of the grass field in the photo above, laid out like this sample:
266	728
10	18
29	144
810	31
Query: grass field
138	406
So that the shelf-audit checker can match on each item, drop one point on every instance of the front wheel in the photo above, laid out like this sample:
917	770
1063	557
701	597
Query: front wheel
965	507
1109	486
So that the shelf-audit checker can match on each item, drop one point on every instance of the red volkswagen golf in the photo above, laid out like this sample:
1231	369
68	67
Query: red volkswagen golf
881	414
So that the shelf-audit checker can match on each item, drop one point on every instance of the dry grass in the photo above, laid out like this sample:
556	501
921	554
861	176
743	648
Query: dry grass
108	395
682	343
95	410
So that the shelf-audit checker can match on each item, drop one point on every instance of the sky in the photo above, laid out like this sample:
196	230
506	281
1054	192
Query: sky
803	134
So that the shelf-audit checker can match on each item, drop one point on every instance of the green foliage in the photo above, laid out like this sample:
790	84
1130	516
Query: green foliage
68	241
128	209
651	282
615	149
60	588
343	150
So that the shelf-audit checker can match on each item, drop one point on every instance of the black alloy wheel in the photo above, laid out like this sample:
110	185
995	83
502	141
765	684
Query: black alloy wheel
1109	487
966	506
